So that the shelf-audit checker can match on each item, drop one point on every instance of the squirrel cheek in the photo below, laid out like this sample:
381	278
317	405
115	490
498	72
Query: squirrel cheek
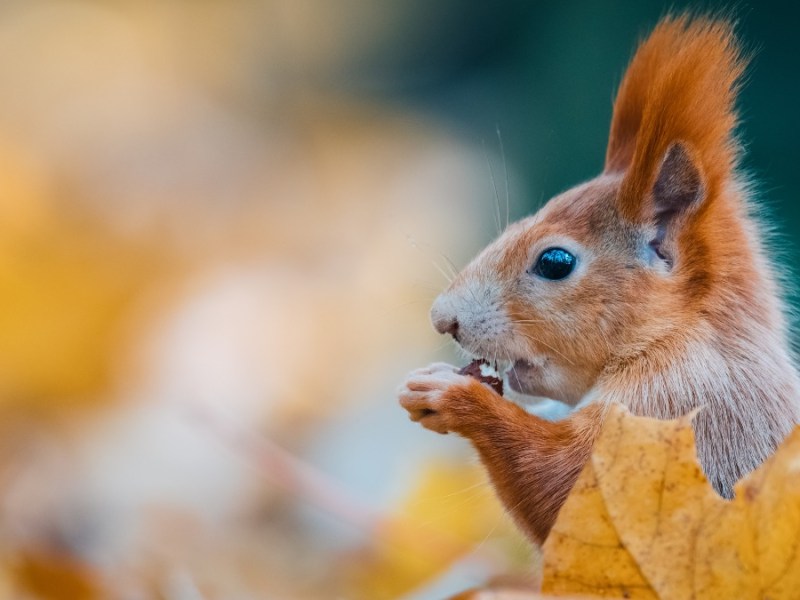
545	378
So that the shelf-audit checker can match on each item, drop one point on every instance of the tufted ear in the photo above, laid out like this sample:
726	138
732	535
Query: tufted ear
678	191
636	91
674	117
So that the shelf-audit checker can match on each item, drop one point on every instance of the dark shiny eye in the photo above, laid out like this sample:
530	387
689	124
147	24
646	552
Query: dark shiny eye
554	263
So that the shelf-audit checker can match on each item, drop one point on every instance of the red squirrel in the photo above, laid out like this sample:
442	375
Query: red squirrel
648	285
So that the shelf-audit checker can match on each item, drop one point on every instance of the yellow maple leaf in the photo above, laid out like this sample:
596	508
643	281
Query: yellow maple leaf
643	522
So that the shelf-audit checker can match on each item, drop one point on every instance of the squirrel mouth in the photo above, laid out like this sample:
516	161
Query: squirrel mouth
520	375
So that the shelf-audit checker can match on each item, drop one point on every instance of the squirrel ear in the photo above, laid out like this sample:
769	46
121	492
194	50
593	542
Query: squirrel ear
679	186
678	191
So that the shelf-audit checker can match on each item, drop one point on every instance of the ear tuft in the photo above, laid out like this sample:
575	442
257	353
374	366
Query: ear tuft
680	88
679	185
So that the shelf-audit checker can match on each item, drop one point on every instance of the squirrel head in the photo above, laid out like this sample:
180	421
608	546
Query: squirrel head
607	269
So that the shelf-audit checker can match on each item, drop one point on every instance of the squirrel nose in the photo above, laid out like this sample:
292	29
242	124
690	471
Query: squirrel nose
449	326
444	321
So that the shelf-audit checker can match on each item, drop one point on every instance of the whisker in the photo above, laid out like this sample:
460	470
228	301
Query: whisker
538	341
516	376
511	370
480	544
441	346
435	264
438	267
494	185
449	263
509	511
474	297
505	171
479	484
475	494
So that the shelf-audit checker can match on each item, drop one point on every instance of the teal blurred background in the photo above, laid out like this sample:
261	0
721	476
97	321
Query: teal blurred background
545	73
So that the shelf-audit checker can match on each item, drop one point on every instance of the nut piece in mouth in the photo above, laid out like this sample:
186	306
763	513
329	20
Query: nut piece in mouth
481	370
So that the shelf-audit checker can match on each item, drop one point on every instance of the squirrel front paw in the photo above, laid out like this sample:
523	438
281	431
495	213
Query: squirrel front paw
439	398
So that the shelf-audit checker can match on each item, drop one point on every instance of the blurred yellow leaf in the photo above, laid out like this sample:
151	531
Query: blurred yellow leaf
643	522
54	577
450	513
65	285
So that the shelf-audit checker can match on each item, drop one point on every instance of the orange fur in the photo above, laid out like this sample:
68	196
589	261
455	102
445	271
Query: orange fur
672	304
680	85
532	463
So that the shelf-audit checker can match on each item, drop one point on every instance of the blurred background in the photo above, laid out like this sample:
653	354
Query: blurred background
222	223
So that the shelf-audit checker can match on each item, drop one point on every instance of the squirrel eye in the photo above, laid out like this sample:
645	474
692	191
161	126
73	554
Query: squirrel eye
554	263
